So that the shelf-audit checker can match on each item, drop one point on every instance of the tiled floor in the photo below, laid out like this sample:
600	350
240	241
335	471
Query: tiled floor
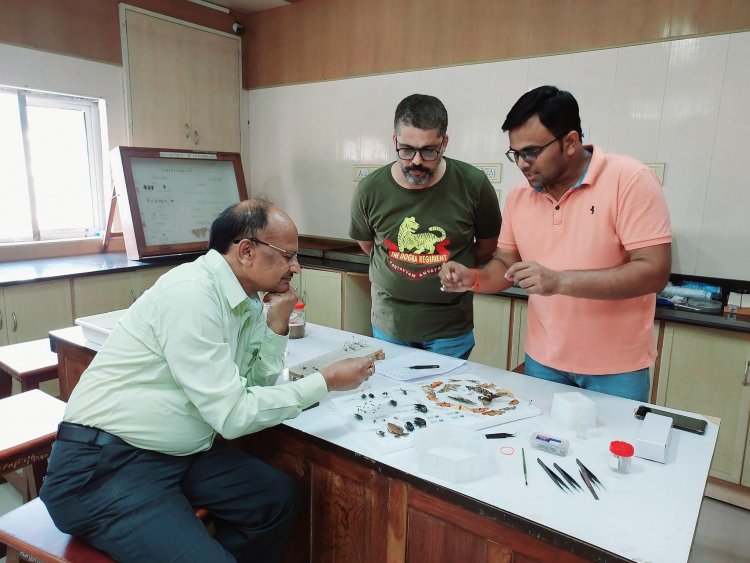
723	534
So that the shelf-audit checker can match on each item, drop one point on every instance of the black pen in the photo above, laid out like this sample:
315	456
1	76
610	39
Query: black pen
424	367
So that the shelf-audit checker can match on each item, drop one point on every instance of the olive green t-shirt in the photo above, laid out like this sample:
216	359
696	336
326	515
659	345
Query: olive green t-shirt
414	232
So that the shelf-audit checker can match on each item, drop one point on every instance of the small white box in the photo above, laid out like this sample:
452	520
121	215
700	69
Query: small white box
653	437
570	409
96	328
453	454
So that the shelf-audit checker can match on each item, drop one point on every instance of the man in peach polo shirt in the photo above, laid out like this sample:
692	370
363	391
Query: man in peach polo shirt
588	237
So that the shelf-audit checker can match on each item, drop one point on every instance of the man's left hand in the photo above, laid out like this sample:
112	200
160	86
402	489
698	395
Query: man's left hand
534	278
280	307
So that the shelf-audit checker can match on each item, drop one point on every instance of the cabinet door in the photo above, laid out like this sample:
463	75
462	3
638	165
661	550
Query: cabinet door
323	294
3	320
158	79
32	310
517	353
100	294
214	91
491	330
144	279
702	370
357	304
746	467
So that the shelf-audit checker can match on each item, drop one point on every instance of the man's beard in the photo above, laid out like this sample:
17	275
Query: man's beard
418	180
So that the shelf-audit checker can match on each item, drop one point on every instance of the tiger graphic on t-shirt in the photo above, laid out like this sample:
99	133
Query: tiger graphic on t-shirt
419	243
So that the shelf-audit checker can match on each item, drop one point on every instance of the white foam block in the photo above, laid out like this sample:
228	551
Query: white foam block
570	408
653	437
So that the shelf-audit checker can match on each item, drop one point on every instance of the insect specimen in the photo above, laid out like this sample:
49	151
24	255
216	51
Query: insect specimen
396	430
364	396
392	402
381	433
461	400
358	416
409	426
371	395
420	422
403	391
420	407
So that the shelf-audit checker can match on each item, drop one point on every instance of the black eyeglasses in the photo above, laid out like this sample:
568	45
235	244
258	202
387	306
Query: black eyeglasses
427	154
290	256
530	154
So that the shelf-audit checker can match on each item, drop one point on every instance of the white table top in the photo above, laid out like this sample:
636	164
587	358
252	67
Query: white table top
649	514
27	416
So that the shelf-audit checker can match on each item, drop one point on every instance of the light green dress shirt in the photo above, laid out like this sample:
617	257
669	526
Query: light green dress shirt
192	357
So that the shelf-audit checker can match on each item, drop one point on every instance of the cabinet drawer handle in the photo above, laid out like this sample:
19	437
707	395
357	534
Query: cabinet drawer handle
187	131
747	369
15	321
197	140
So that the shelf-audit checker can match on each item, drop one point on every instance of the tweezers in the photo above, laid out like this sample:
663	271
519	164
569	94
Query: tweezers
590	474
568	478
588	483
500	435
559	482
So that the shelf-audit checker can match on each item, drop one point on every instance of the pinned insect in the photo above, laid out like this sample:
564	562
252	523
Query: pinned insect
364	396
385	393
420	422
448	387
420	407
396	430
461	400
393	402
488	397
409	426
380	433
371	395
358	416
403	391
436	384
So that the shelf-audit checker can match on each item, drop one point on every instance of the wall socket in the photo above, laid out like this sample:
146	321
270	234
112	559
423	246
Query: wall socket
363	170
658	168
492	171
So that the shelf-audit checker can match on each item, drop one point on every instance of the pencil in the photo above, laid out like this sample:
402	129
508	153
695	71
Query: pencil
525	477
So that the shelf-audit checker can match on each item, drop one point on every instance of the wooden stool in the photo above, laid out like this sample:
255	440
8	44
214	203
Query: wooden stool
30	363
29	424
30	535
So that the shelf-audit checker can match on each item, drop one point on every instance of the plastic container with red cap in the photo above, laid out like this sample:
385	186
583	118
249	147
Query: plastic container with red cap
622	455
297	321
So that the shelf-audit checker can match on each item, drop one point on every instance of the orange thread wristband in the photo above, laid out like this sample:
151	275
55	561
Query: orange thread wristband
475	284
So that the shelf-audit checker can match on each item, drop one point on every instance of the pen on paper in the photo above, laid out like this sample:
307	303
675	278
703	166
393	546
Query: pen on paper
425	367
523	457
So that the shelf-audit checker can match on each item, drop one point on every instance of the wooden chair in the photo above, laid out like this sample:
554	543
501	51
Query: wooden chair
30	535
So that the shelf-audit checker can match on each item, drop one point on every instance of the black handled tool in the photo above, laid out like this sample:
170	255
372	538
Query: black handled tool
500	435
568	478
559	482
590	474
588	483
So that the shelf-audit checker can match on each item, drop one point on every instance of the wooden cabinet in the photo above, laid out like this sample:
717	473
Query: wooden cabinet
704	371
98	294
322	290
355	512
183	83
30	311
357	304
491	330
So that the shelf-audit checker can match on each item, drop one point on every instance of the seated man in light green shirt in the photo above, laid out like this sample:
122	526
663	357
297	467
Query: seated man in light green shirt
191	358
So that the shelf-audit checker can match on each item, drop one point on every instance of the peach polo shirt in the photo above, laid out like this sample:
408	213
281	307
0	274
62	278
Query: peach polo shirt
618	207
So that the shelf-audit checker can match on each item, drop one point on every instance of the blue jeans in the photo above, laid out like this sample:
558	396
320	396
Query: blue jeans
458	346
631	385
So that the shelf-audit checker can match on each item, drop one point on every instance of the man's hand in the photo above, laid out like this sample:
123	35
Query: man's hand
348	374
280	307
535	278
455	277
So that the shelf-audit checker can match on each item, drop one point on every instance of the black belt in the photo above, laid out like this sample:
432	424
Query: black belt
69	432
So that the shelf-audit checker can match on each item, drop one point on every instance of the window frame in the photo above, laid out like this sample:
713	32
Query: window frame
94	114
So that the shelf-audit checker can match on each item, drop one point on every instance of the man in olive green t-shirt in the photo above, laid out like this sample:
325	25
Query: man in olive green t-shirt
415	214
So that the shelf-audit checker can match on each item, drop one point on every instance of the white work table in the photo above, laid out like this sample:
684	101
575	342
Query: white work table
649	514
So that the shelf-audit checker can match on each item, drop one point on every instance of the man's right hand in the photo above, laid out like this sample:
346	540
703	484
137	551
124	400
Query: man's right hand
455	277
348	374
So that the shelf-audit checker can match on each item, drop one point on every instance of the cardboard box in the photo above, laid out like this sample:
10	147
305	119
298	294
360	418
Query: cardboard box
653	437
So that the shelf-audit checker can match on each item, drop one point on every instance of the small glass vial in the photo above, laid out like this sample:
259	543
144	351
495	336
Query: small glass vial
622	455
297	321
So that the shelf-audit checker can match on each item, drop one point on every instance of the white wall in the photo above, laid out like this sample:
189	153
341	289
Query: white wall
683	103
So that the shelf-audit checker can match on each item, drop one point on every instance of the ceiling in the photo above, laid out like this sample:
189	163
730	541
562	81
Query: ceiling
250	5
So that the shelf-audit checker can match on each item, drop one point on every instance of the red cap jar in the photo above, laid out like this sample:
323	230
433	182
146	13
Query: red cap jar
622	454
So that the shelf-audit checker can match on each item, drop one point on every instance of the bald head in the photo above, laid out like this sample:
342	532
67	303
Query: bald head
247	219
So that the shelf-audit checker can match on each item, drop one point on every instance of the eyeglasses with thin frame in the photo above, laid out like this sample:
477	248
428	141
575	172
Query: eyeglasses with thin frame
291	257
427	154
530	154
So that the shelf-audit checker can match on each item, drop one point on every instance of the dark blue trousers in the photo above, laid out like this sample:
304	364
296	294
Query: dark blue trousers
137	505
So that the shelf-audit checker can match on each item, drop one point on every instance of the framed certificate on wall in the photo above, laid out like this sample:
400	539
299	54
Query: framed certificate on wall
168	198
